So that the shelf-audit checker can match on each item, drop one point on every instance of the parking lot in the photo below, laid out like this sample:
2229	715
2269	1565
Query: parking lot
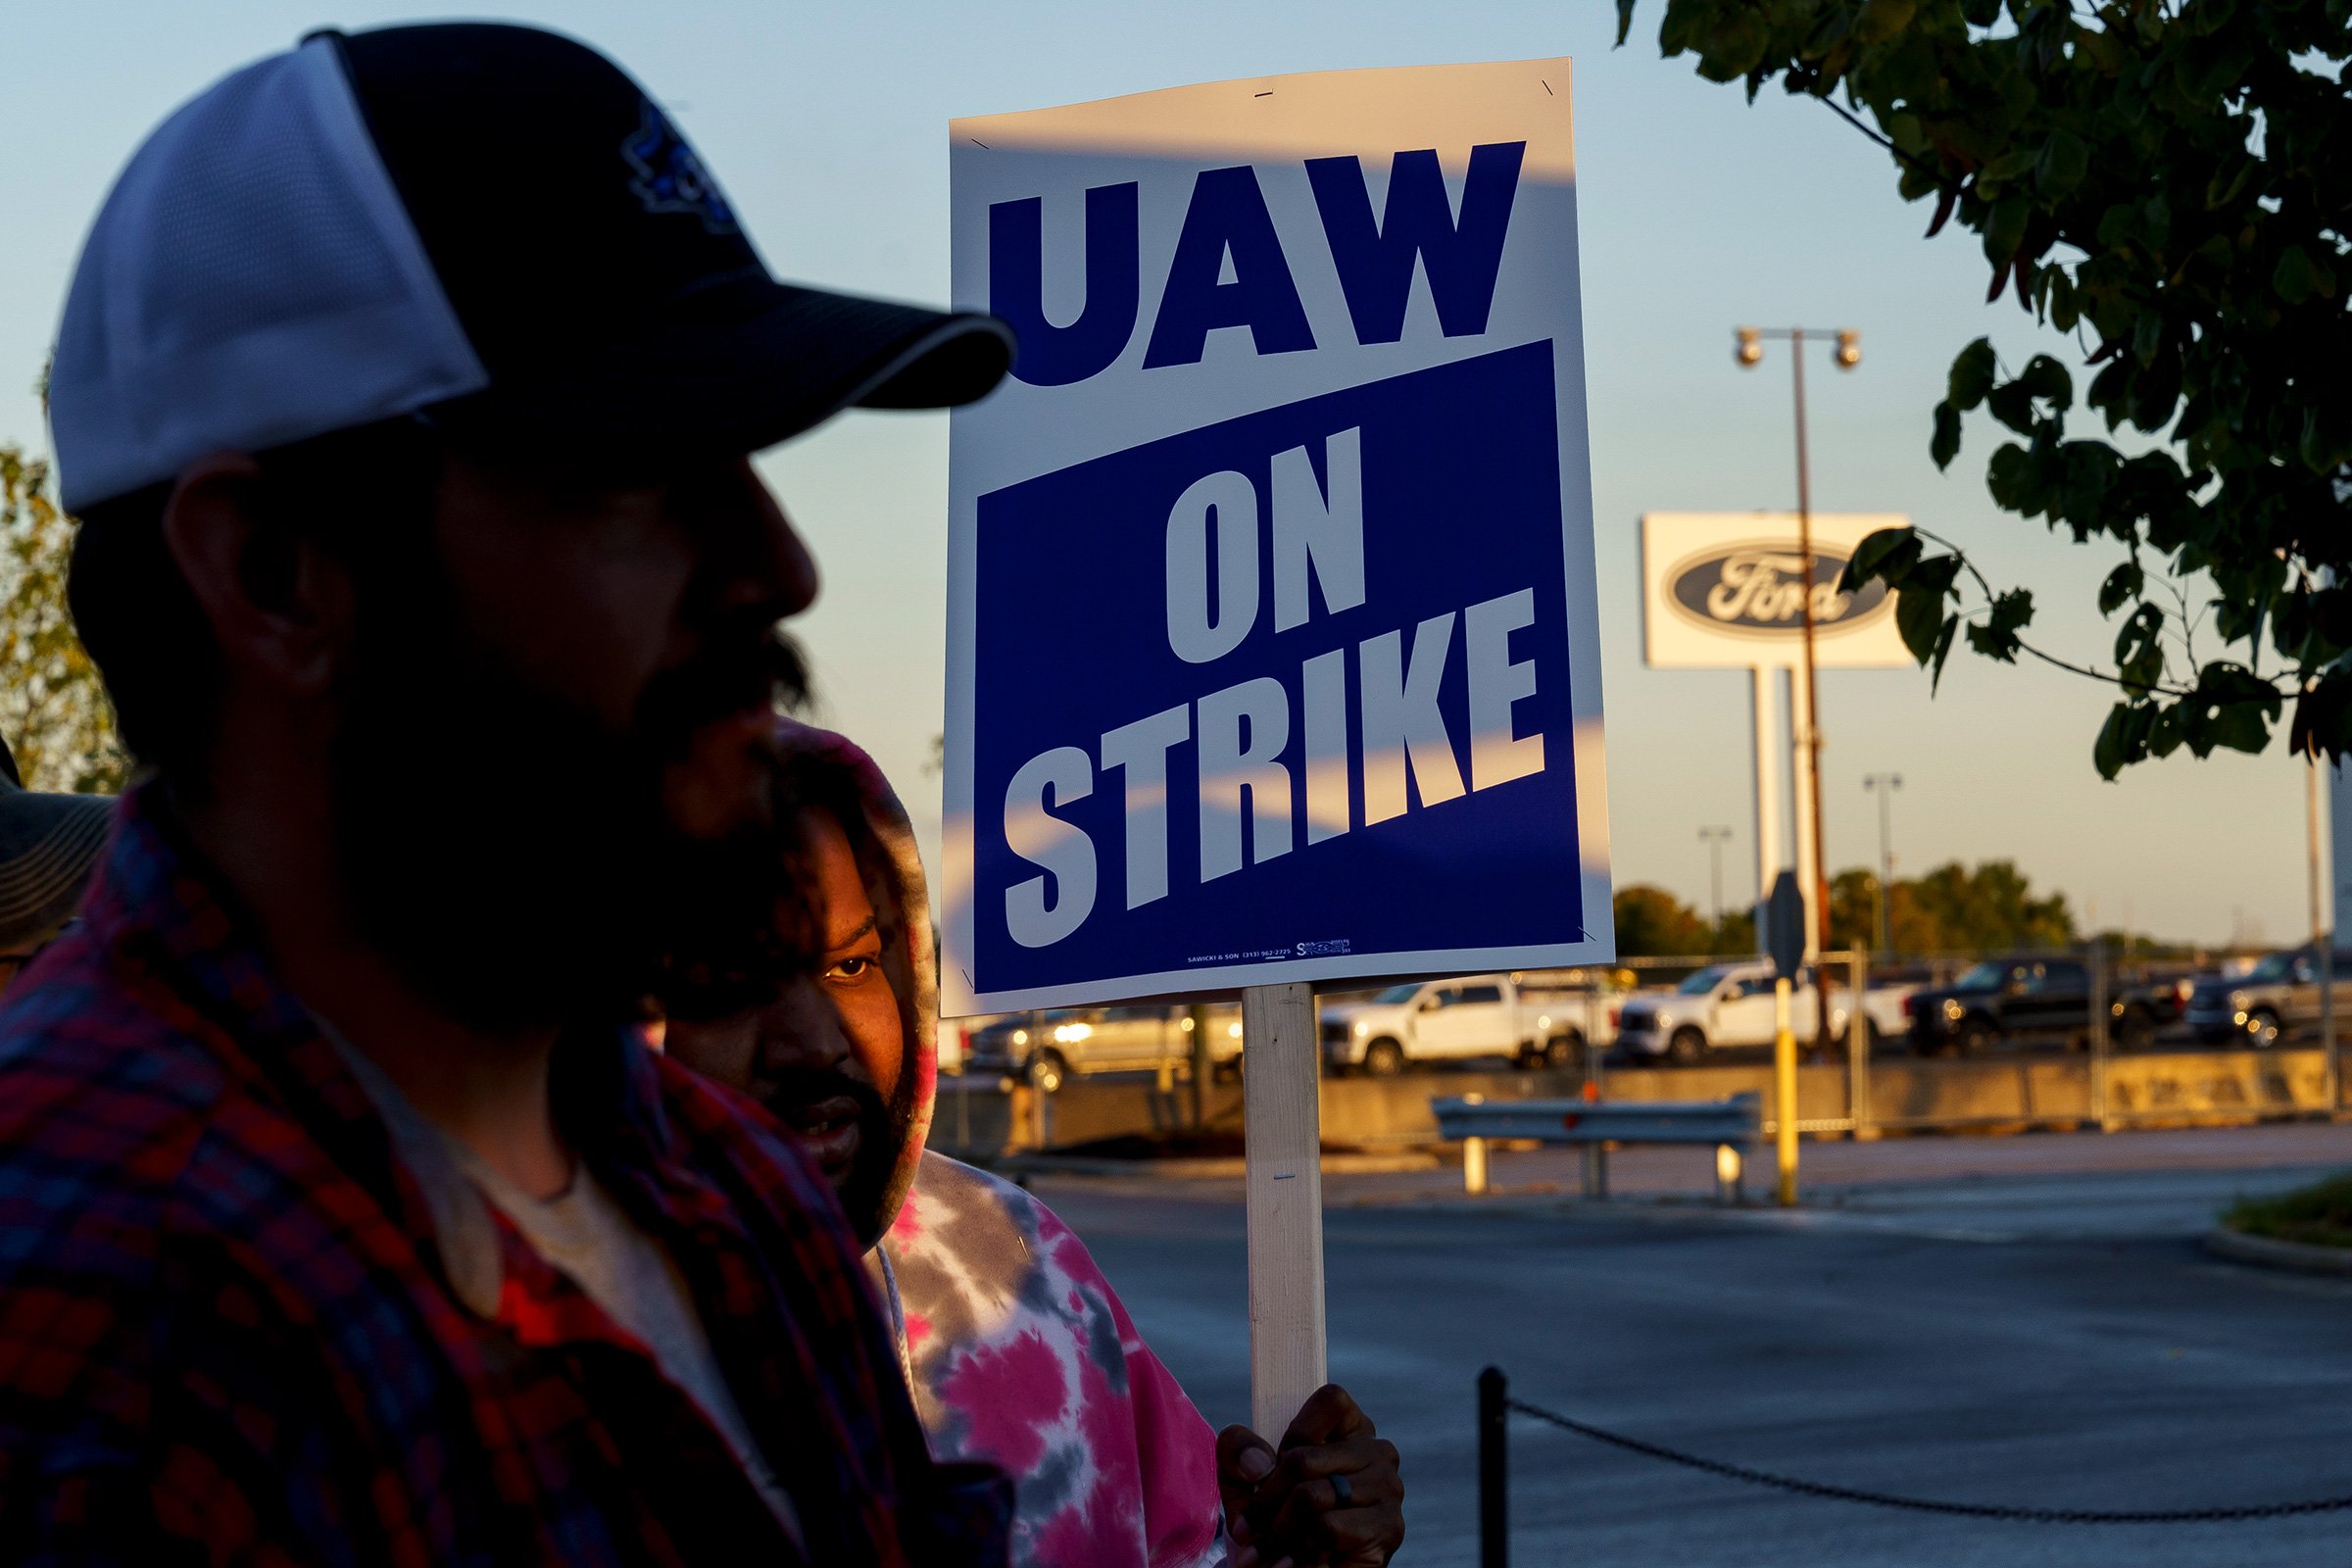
2022	1320
1700	1013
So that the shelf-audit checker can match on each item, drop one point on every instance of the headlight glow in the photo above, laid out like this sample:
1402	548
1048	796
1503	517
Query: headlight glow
1363	1028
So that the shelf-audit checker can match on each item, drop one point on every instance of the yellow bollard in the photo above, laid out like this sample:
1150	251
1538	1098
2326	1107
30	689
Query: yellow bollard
1784	1080
1474	1155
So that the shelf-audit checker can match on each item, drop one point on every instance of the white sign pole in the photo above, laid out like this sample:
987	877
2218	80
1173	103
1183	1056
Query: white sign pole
1726	591
1283	1131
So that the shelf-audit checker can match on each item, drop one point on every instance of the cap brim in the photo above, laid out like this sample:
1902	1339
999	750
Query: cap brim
776	359
49	845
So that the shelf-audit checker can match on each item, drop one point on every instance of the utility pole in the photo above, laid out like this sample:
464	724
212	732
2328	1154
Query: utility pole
1883	785
1715	838
1748	352
2323	936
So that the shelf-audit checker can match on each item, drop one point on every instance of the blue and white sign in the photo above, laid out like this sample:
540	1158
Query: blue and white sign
1272	650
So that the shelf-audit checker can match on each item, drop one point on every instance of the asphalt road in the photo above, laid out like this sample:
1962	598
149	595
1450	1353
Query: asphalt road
2045	1334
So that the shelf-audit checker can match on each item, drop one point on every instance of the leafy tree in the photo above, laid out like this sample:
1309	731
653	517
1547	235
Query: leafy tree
2138	947
53	710
2165	181
1953	909
1736	933
1854	908
1652	923
1990	907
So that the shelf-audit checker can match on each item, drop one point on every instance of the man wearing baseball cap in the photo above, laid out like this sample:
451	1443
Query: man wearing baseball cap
406	388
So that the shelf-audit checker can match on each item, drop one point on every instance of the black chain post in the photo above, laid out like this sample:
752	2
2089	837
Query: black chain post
1494	1496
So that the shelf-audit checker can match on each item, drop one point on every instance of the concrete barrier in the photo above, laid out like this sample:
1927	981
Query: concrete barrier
976	1117
2153	1089
2235	1085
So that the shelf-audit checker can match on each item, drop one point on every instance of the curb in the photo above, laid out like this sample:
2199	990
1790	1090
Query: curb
2266	1251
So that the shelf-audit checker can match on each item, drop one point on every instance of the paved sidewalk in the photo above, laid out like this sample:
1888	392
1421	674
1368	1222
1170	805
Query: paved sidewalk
2024	1320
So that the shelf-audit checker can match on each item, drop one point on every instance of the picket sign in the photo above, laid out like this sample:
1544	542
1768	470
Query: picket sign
1272	649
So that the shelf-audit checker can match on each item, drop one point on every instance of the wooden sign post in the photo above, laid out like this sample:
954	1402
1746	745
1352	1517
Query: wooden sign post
1284	1132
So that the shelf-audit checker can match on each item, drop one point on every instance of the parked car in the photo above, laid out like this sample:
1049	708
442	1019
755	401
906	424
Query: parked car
2280	995
1437	1020
1719	1007
1048	1048
2008	999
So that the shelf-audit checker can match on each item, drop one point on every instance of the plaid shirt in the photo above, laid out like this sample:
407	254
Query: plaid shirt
226	1333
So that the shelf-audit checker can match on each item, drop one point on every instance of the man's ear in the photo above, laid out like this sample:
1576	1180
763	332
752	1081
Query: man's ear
280	607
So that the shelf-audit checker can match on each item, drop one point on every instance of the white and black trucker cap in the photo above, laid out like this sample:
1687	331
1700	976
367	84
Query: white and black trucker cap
493	222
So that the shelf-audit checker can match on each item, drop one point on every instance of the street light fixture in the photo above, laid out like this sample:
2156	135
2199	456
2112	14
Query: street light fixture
1883	785
1715	838
1749	351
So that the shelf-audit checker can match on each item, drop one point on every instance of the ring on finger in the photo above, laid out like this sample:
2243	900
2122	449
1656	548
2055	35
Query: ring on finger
1344	1490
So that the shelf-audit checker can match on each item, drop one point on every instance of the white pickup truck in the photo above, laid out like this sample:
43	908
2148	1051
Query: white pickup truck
1730	1006
1435	1020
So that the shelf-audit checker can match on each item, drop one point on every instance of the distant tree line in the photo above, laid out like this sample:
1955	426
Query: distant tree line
1953	909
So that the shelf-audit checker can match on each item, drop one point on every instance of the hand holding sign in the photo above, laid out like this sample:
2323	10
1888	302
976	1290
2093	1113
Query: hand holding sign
1334	1494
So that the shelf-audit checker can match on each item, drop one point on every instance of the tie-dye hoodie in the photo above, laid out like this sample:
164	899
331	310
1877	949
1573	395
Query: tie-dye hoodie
1016	1349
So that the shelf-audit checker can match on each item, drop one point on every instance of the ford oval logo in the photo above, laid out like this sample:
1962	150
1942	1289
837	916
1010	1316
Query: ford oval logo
1759	589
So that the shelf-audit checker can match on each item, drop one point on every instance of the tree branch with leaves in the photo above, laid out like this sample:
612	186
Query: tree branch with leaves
2169	181
53	708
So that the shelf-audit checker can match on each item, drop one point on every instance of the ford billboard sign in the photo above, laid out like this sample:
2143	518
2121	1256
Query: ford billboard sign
1726	591
1758	588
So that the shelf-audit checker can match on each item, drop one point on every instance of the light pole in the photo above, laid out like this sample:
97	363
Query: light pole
1883	785
1748	352
2323	936
1715	838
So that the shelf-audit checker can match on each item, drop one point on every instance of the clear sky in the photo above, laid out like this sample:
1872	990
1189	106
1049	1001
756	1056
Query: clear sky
827	125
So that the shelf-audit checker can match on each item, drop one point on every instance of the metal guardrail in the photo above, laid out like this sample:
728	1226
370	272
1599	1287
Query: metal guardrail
1737	1120
1730	1126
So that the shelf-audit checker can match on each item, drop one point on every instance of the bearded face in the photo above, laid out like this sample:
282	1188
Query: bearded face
552	745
